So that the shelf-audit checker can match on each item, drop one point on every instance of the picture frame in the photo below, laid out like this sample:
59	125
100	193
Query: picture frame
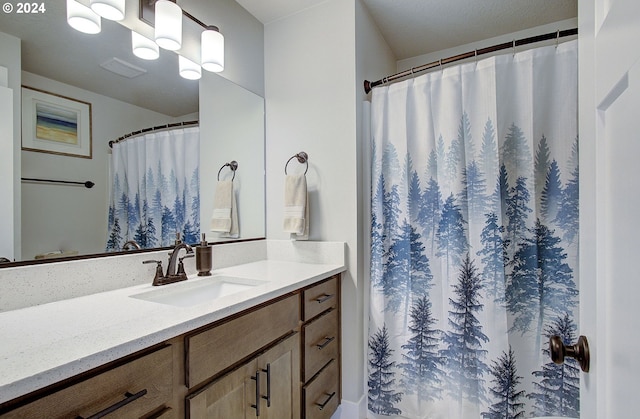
55	124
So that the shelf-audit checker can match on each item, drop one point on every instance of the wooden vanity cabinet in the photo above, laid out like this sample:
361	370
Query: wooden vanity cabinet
262	349
295	376
139	388
267	386
277	360
321	391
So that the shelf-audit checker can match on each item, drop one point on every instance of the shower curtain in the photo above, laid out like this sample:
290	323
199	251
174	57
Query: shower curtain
155	187
474	240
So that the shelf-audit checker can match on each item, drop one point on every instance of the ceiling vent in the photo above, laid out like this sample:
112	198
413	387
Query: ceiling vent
122	68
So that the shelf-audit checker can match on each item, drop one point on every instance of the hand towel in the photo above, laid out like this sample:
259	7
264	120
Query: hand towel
234	231
296	207
221	219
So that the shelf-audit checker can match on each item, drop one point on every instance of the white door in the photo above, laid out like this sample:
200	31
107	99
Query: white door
610	204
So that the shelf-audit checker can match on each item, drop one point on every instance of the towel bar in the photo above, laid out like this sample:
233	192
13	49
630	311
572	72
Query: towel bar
302	157
233	165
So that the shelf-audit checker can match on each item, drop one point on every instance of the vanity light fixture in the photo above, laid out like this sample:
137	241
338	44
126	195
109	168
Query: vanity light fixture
144	47
109	9
168	25
188	69
212	49
82	18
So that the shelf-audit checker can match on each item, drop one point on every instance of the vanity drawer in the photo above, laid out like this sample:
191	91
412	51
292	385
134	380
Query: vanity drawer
133	390
320	343
211	351
321	396
320	297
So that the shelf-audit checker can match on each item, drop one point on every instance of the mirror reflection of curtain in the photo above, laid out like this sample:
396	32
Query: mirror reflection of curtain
474	246
155	185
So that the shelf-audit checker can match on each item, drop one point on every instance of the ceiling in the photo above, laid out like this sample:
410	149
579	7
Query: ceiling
51	48
411	27
416	27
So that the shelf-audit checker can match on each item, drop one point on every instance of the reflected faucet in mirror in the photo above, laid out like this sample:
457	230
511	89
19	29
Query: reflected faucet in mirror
131	244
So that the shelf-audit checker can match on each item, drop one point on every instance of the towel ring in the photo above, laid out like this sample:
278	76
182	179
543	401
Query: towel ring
302	157
233	165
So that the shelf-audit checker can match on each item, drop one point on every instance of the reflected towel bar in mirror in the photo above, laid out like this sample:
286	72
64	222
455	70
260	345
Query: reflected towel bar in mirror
233	165
88	184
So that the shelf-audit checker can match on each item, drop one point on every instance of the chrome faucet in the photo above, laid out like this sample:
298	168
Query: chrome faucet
4	260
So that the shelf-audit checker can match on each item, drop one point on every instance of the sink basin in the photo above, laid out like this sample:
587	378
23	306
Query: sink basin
193	292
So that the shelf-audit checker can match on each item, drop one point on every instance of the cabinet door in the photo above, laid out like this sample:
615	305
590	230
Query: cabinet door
131	390
280	380
231	397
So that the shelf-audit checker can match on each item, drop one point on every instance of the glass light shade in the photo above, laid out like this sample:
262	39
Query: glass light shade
82	18
144	47
212	50
168	30
189	69
109	9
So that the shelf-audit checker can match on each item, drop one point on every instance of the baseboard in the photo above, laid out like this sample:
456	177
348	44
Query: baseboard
351	410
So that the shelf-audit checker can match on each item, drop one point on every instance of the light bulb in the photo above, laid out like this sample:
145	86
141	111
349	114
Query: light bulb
82	18
212	50
188	69
144	47
168	26
109	9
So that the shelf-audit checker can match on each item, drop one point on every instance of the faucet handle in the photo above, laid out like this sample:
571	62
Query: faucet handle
180	270
159	274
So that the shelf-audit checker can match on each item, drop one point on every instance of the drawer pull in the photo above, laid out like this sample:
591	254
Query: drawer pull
257	405
129	397
324	298
327	341
323	405
160	413
268	396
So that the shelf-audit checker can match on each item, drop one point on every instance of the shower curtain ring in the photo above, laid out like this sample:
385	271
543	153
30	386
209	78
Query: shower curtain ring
557	38
514	47
440	62
475	55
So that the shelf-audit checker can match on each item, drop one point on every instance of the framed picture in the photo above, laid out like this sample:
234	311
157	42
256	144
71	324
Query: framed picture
55	124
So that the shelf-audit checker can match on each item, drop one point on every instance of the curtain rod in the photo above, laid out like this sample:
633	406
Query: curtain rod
368	85
156	128
88	184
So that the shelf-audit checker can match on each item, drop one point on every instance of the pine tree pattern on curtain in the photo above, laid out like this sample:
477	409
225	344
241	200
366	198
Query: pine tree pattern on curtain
474	240
155	189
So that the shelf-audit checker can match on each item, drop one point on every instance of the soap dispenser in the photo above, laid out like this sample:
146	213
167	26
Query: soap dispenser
204	257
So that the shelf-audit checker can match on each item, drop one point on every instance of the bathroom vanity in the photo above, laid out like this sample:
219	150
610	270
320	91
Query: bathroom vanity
269	348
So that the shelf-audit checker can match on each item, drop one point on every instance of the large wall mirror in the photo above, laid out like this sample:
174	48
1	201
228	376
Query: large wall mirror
56	60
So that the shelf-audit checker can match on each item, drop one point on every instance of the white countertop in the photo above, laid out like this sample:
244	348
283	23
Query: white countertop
44	344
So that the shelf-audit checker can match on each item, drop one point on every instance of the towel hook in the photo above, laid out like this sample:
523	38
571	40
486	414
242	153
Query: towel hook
302	157
233	165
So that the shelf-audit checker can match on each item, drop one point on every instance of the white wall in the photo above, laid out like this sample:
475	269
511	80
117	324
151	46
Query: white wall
313	91
62	217
6	170
483	43
232	129
311	107
244	40
10	184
